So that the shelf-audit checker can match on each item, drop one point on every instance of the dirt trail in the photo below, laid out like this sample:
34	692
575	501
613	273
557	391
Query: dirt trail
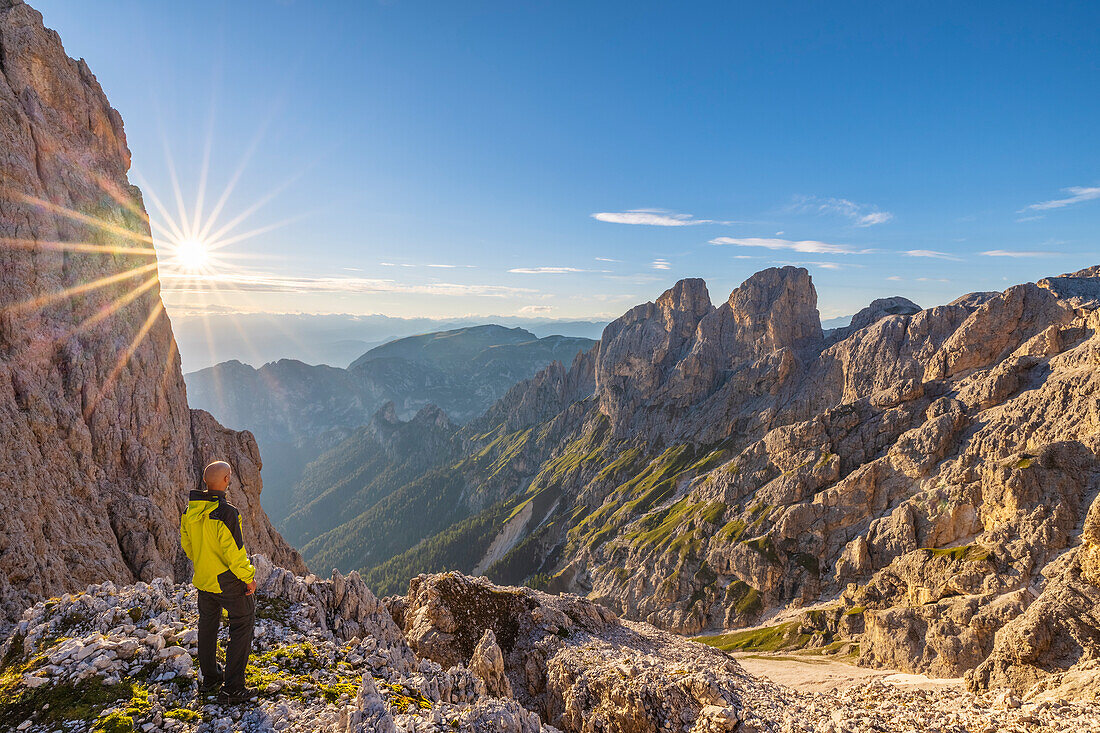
817	674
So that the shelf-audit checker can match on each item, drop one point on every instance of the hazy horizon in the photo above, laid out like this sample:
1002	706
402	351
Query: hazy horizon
209	337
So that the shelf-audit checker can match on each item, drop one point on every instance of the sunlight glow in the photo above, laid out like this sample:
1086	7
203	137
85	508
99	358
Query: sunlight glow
194	259
192	255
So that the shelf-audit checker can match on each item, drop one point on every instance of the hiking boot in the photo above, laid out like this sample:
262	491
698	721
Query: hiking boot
210	686
235	697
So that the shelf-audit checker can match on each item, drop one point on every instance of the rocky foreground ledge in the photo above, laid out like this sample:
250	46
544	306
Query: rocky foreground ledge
456	654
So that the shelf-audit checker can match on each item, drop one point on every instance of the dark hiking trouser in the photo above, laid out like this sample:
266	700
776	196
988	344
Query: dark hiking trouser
242	612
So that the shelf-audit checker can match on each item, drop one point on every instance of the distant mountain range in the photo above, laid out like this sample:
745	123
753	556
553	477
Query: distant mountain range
297	411
337	339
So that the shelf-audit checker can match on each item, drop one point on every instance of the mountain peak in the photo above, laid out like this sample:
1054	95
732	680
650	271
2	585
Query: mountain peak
880	308
437	346
387	413
776	308
689	295
1081	288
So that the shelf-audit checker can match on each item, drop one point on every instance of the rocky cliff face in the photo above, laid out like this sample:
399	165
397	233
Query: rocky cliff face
925	468
662	359
911	483
99	447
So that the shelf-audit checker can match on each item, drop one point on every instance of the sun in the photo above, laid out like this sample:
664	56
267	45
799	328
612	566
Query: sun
191	255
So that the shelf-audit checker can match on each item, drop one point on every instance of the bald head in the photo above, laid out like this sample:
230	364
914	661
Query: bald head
216	476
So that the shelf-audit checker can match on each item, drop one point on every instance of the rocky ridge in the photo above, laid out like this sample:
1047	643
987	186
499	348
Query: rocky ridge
457	653
99	446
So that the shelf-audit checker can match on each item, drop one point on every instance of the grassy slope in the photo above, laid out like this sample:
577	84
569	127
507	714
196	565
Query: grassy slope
358	474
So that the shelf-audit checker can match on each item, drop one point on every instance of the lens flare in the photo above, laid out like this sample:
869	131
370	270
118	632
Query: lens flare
194	248
191	255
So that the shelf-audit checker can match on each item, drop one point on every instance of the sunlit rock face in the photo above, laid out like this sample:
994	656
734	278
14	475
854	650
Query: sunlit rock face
923	474
98	447
661	358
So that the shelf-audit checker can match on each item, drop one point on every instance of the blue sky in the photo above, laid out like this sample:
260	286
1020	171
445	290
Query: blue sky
569	160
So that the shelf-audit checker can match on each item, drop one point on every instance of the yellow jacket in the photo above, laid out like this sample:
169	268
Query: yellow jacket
210	532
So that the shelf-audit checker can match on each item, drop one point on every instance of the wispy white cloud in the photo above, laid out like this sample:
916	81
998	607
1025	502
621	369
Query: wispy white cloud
1077	194
661	264
808	246
652	217
271	283
546	270
933	280
931	253
822	265
409	264
827	265
536	309
894	278
607	259
1017	253
875	217
862	215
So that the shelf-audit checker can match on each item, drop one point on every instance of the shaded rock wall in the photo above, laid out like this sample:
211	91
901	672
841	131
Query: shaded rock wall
97	452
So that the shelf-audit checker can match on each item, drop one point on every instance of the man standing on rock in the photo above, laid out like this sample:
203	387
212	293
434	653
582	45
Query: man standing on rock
210	532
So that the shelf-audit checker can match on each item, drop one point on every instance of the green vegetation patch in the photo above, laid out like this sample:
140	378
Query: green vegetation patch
292	655
648	488
517	510
584	453
710	461
333	692
58	704
655	529
745	599
61	704
732	531
1026	460
538	581
404	700
783	637
185	714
